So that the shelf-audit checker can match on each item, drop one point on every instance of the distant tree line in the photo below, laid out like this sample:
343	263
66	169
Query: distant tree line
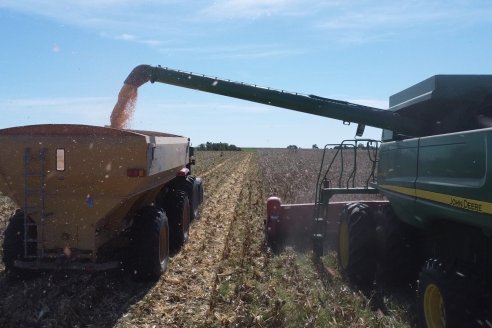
221	146
341	146
294	147
360	146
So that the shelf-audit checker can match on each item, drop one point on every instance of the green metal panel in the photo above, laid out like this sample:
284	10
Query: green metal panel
398	163
443	91
452	179
453	160
397	172
446	103
441	177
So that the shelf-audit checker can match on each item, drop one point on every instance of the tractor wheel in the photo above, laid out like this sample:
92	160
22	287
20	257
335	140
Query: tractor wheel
177	206
399	251
357	245
13	246
444	295
149	244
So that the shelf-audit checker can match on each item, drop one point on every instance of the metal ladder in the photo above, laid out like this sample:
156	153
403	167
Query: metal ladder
325	191
34	201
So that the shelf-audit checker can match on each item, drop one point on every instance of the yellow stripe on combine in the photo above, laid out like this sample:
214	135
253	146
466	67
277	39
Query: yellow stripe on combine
455	201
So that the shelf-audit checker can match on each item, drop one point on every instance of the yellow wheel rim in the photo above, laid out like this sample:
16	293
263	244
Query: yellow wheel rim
343	245
434	310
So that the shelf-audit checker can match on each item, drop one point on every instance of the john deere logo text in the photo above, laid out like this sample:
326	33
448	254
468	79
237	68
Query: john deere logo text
466	204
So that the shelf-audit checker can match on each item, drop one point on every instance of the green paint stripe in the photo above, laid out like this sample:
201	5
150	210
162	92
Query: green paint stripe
468	204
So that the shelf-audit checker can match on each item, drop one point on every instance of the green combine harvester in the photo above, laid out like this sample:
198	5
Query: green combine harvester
434	222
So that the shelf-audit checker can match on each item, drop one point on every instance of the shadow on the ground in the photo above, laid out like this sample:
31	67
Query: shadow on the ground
68	299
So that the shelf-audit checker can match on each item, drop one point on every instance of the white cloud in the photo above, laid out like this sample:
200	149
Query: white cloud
52	102
132	38
126	37
95	110
232	51
253	8
388	15
155	23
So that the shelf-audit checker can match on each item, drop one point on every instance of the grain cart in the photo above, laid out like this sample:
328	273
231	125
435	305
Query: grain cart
88	193
433	169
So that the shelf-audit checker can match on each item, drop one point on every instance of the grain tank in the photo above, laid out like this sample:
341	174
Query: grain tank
433	170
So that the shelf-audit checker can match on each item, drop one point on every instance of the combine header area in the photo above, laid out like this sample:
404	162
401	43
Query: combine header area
434	172
88	194
293	224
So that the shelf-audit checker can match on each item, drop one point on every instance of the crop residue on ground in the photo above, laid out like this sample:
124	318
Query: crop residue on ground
223	277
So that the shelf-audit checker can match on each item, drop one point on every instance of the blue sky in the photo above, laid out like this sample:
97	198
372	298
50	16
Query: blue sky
64	62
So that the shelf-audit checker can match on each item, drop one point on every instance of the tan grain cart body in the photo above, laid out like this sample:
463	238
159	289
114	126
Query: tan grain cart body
82	184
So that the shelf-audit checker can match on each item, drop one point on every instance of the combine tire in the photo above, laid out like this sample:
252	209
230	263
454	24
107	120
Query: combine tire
444	295
399	251
13	246
149	244
274	238
178	211
357	245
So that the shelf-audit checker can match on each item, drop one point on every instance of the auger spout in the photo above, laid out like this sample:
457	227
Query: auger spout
311	104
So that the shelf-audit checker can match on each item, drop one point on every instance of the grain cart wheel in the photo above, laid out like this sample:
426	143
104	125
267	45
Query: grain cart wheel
199	187
357	245
192	186
13	245
149	244
443	296
178	211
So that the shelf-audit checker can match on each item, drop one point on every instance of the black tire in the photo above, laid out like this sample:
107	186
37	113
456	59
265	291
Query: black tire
444	296
274	237
189	187
400	251
199	189
177	207
357	245
13	246
149	244
276	246
192	186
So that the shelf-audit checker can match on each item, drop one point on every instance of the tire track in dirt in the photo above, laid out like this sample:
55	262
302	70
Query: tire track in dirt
236	296
215	168
182	297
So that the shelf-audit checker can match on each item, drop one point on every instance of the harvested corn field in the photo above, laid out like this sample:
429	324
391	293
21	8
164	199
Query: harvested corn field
223	277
